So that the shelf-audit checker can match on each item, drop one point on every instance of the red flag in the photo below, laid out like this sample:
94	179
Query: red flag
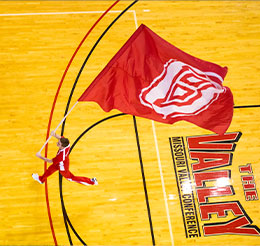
150	78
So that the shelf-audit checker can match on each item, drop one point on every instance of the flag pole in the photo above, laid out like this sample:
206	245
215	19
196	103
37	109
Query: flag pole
58	126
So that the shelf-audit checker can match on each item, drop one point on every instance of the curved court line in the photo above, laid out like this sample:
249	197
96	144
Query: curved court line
68	103
51	115
92	126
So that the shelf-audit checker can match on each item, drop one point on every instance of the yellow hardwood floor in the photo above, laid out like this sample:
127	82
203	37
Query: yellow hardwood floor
37	39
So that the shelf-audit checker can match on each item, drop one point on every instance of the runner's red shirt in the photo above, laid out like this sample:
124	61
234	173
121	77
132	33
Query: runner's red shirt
62	158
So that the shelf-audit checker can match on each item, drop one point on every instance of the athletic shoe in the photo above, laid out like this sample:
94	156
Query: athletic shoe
36	177
95	181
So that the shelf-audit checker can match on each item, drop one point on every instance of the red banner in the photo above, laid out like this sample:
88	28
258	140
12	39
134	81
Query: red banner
150	78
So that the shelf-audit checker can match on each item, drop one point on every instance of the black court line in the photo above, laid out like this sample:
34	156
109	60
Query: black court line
89	128
248	106
144	182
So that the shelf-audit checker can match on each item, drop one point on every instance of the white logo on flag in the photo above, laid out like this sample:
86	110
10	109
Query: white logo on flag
181	90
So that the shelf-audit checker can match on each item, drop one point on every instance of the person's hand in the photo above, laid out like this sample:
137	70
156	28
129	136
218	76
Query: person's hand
38	154
53	134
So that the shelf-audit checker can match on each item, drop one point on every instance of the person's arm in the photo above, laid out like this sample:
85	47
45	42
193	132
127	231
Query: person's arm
55	135
38	154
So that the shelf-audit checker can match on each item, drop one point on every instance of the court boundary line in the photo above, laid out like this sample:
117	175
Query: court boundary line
162	182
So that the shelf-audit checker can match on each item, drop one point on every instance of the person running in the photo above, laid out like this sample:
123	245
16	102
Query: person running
61	162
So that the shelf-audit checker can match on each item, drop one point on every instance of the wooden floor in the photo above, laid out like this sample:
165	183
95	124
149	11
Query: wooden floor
35	49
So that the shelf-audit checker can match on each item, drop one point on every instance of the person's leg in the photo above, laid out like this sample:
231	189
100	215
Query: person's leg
81	180
52	168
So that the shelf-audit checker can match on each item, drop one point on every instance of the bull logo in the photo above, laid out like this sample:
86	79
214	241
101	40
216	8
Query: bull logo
181	90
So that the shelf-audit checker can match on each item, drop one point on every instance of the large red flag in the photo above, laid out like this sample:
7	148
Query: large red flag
151	78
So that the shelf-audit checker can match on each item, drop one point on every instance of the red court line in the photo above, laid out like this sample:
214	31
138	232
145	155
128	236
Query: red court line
52	110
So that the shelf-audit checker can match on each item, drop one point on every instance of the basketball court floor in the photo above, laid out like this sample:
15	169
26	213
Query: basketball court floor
146	195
